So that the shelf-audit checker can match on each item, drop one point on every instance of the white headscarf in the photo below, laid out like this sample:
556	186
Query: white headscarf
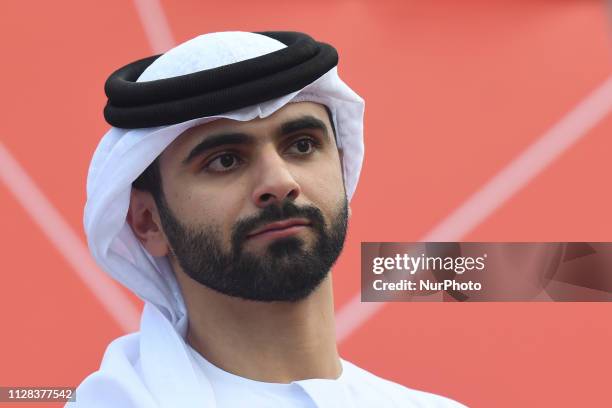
123	154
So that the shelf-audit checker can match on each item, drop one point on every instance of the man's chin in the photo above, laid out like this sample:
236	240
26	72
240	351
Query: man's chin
277	248
286	247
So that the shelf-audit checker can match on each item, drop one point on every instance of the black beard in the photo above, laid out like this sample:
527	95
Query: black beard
285	272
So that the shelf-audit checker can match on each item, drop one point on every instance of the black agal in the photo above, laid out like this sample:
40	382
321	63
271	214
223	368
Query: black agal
213	91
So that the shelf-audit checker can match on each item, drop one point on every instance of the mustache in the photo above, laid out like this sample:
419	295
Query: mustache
274	213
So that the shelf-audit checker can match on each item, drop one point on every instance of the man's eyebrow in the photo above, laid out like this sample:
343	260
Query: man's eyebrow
291	126
303	123
218	140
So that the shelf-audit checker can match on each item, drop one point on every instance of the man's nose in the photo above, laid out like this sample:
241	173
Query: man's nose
275	183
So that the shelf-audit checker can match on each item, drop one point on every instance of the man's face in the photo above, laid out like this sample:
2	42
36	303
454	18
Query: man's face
256	209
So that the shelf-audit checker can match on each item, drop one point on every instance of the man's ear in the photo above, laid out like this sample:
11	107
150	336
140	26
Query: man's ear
143	217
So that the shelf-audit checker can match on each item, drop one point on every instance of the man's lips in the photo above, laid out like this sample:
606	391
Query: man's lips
280	226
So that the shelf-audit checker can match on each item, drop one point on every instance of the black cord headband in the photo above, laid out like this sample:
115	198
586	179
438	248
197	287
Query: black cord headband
214	91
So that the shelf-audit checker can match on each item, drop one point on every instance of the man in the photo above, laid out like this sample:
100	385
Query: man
220	197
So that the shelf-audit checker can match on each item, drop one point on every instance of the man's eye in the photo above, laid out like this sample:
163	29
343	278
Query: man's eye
224	162
303	146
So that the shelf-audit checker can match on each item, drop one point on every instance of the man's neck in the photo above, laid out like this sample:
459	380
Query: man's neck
276	342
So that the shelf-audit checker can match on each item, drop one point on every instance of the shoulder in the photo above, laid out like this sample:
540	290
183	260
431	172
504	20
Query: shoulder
394	394
117	383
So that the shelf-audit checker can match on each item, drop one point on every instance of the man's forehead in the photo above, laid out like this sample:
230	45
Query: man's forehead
258	125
